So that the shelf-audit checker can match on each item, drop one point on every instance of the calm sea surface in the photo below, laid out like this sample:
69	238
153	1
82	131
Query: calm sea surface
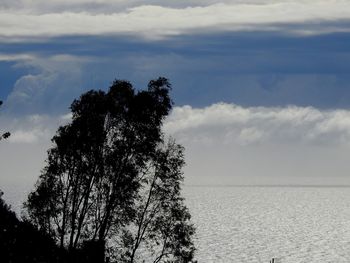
254	224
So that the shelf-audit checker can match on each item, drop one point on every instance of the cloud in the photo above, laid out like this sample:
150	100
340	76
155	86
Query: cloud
219	124
15	57
60	79
104	5
230	144
33	128
225	144
248	69
21	136
229	124
245	68
158	20
49	85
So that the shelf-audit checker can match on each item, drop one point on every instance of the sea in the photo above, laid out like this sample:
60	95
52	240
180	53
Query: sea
291	224
250	224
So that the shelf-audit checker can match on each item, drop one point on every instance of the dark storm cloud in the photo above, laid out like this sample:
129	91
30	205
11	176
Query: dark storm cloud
247	68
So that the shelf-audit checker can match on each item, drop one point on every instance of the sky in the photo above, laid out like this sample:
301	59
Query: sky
261	87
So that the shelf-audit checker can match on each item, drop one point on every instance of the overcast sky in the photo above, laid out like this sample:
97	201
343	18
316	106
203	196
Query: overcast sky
262	87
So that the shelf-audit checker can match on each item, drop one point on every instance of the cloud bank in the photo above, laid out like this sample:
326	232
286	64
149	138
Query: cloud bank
155	19
225	144
230	124
221	124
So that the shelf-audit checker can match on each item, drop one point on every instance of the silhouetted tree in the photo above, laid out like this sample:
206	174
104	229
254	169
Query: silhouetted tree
22	242
6	134
161	227
91	188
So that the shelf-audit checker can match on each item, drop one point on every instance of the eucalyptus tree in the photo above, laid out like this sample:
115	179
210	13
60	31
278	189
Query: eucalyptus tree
161	229
92	186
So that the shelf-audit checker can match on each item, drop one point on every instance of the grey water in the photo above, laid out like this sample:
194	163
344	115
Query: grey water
255	224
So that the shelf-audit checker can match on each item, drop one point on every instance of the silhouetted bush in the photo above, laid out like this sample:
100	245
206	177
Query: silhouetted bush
22	242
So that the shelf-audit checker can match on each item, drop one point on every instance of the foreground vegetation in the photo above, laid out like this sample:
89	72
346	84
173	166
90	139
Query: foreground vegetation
111	187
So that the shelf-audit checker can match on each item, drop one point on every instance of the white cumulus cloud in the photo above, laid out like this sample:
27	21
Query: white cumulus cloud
229	123
231	144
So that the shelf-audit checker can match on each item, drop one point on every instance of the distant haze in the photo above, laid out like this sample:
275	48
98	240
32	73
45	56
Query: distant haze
226	144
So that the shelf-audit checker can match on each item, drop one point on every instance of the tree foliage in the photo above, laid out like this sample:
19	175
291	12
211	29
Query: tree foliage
21	242
111	178
161	219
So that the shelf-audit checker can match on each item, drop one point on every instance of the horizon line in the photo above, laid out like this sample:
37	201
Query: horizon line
272	185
